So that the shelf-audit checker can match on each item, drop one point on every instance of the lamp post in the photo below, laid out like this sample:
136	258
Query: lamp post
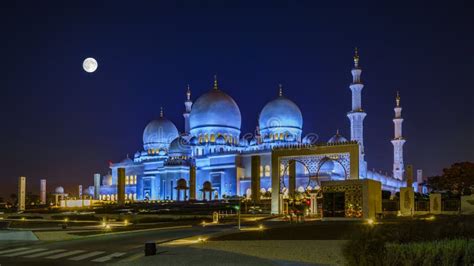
238	214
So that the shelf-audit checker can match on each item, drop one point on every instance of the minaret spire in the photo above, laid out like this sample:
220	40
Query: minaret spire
357	114
188	93
280	90
398	99
216	86
398	141
187	111
356	57
161	111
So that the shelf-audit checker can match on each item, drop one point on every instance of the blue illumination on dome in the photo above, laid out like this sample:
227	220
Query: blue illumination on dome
337	138
281	116
159	133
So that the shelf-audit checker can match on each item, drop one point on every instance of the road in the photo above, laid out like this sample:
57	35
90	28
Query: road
95	250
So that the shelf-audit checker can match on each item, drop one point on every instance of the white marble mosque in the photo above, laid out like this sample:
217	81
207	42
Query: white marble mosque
212	143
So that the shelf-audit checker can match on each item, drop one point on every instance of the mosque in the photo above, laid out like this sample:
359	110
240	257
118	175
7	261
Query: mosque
210	160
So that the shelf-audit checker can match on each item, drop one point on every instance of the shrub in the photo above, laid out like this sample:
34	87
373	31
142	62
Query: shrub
366	248
445	252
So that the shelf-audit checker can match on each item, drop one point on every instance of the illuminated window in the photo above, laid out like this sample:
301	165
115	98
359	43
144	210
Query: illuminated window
206	138
267	170
126	180
108	196
213	138
281	136
200	138
261	171
134	196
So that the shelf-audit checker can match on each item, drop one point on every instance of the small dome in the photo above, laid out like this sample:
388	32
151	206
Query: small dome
179	147
215	111
279	116
127	161
59	190
337	138
159	133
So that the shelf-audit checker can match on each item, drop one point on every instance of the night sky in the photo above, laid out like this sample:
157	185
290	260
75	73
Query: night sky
63	124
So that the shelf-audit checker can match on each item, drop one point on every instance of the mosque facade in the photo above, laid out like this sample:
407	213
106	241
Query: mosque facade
211	160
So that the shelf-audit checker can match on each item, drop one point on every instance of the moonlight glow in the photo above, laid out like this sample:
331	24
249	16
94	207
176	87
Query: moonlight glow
90	65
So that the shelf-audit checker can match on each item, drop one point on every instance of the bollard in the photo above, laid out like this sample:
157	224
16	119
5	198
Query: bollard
150	248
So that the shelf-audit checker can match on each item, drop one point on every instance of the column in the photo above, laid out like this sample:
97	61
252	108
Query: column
255	181
43	191
292	179
21	193
192	183
96	186
121	186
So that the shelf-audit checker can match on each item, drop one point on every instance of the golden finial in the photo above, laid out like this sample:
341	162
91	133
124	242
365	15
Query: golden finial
188	93
337	131
356	57
216	87
161	111
280	90
398	99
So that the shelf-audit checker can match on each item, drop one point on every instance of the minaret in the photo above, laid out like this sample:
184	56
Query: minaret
357	114
398	141
216	86
187	104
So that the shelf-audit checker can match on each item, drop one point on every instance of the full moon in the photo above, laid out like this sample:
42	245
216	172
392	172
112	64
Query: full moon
90	65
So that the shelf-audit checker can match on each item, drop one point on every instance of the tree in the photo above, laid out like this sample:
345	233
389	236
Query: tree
458	178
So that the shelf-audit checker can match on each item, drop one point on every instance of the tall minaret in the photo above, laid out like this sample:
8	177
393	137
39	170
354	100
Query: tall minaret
357	114
398	141
188	103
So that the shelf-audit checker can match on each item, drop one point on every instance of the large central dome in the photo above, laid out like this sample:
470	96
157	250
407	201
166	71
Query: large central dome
215	109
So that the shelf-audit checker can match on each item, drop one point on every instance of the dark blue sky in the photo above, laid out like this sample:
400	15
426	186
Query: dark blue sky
60	123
